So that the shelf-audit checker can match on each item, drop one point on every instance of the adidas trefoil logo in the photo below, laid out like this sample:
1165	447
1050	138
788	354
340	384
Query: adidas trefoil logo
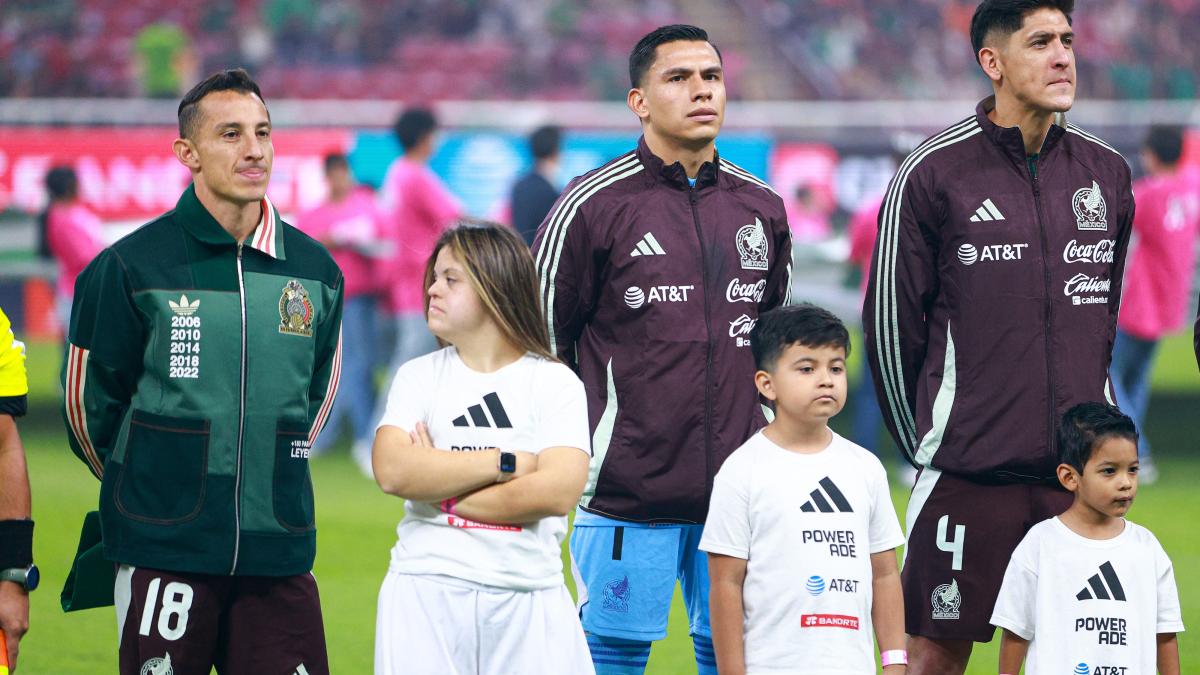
987	212
647	246
1103	586
819	502
478	418
183	307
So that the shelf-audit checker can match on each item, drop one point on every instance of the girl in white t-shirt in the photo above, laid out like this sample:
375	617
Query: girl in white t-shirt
488	441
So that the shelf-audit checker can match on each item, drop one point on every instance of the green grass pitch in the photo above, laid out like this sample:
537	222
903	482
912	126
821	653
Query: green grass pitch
356	529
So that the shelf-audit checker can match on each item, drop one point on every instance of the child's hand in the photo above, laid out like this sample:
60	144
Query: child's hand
420	437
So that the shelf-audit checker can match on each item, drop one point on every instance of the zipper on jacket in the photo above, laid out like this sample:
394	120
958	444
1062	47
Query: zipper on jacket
708	358
237	481
1037	200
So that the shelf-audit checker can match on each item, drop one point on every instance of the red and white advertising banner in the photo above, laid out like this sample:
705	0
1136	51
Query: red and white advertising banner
131	174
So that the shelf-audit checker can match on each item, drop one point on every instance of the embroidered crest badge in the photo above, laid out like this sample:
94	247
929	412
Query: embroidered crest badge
751	241
1090	210
295	310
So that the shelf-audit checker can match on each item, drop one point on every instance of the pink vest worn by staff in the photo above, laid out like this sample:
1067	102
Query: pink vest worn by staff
75	237
349	229
1158	276
420	208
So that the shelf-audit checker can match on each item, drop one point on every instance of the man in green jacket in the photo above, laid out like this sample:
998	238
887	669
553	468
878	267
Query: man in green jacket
203	358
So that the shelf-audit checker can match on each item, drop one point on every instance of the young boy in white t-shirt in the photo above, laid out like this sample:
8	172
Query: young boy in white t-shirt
801	532
1089	592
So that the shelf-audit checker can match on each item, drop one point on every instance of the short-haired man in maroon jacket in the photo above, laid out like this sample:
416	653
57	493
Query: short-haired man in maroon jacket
991	309
654	268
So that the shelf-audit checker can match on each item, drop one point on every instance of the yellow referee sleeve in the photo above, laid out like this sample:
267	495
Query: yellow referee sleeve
13	381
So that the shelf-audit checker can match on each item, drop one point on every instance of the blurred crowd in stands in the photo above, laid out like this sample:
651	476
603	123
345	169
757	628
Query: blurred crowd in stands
548	49
916	49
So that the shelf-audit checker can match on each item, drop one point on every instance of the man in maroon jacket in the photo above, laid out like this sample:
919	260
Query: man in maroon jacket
654	268
991	309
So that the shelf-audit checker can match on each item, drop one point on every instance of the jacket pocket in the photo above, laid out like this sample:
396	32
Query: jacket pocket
164	476
293	498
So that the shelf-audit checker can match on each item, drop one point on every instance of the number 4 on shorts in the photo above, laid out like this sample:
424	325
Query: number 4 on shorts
954	546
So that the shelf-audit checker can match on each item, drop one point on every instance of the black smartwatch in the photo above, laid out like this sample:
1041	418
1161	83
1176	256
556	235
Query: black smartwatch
508	466
26	576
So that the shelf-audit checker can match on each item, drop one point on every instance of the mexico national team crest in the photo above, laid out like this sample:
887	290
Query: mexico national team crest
158	665
1090	210
616	595
295	310
751	243
946	600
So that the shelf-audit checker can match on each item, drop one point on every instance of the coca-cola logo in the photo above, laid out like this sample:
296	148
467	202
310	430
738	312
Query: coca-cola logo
1099	252
739	292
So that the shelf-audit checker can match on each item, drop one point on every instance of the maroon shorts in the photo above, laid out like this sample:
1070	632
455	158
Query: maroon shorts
181	623
961	536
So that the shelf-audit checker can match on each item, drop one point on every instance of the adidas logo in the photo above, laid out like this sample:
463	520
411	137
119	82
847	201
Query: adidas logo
647	246
820	503
987	212
1103	586
480	419
183	307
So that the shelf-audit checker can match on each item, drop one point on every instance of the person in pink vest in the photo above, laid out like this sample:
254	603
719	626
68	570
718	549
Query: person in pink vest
1158	276
73	235
420	208
351	225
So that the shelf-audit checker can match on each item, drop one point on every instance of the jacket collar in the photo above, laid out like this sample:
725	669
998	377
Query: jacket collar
267	237
1009	138
674	174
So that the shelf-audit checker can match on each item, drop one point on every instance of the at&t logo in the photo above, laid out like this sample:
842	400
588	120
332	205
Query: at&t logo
635	297
815	585
969	255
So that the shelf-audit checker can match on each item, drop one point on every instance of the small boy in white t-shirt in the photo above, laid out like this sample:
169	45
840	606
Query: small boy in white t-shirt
801	532
1089	592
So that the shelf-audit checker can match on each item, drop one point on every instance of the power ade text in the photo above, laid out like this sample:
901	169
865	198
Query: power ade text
841	542
1109	630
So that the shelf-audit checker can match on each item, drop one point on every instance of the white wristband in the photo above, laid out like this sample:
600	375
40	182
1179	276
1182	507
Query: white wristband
893	657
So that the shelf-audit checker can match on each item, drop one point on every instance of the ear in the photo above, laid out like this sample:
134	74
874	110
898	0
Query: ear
636	100
990	61
762	381
1067	477
185	152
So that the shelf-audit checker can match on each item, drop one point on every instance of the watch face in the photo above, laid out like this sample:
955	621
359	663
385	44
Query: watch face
508	462
33	576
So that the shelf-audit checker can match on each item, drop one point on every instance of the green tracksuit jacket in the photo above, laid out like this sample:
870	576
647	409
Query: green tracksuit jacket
198	373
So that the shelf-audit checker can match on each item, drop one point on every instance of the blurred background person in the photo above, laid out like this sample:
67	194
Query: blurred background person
73	235
1158	276
418	206
350	225
535	192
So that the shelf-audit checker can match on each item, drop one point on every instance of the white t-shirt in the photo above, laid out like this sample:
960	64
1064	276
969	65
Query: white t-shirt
1088	605
806	524
530	405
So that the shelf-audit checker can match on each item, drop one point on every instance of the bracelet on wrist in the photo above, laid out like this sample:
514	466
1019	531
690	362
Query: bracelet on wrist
893	657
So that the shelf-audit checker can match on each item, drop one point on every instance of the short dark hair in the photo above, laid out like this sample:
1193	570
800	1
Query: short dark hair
1165	142
61	183
803	324
643	55
234	79
544	141
413	126
1007	16
336	160
1085	426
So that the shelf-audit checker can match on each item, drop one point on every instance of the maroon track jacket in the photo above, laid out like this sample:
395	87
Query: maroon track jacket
650	290
993	294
